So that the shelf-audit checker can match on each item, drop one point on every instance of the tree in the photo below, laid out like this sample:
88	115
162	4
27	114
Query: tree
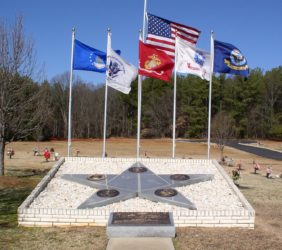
45	105
60	99
222	129
159	112
193	94
18	93
156	108
272	100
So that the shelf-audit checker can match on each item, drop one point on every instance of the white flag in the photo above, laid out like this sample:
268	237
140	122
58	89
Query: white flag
192	61
120	73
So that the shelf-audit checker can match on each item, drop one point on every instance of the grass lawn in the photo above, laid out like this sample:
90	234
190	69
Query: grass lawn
24	171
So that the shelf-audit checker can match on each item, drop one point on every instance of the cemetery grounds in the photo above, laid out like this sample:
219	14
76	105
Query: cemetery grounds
24	171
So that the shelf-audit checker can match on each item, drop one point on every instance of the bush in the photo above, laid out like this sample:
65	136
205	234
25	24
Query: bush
275	132
148	133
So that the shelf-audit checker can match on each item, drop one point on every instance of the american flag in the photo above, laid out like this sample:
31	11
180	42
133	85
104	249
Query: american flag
162	32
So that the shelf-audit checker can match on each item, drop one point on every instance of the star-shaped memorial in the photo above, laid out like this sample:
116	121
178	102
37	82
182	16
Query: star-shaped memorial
135	181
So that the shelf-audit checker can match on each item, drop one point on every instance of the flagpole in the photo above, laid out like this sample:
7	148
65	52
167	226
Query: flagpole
70	94
144	20
140	78
174	102
106	93
139	107
210	93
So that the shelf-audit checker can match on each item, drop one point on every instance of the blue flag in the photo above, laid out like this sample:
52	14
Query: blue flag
229	59
87	58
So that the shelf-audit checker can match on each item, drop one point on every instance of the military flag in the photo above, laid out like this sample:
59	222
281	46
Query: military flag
154	63
88	58
192	61
121	73
229	59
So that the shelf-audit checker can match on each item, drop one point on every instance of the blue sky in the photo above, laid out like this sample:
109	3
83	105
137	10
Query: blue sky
253	26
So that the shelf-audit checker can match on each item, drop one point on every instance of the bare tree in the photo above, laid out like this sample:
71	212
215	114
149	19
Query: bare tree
45	107
158	113
273	90
17	90
60	100
222	129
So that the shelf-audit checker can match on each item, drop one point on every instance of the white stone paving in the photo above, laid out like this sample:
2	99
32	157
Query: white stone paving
210	195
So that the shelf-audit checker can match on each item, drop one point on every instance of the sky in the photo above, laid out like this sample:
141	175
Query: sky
254	26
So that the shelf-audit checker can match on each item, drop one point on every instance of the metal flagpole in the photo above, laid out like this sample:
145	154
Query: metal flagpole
174	101
139	107
210	93
144	19
70	93
140	78
106	92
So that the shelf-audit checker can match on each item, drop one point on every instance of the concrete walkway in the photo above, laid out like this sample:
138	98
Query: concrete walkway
153	243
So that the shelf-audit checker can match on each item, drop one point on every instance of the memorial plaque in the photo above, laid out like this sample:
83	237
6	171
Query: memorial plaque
137	170
141	224
166	192
142	218
108	193
179	177
96	177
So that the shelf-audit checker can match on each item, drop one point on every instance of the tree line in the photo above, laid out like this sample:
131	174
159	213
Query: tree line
254	106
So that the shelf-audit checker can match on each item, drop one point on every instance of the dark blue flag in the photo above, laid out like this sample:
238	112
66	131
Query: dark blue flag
229	59
87	58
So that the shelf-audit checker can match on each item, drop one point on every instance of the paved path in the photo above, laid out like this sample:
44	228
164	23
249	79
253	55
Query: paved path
263	152
144	243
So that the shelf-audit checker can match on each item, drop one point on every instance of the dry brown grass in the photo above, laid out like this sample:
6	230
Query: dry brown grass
264	194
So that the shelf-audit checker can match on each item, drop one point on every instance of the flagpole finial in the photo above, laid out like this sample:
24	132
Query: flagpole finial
109	30
140	35
73	29
212	34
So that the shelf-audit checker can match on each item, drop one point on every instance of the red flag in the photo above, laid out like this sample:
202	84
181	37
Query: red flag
154	63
